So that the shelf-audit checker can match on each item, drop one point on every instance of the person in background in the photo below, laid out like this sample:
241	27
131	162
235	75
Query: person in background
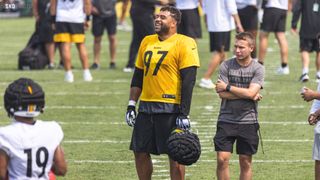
41	12
308	95
104	17
164	76
70	19
190	19
29	148
122	23
309	34
248	14
274	20
239	84
220	18
141	14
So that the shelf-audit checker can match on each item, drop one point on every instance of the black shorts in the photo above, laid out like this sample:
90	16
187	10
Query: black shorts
69	32
190	23
309	45
245	134
151	131
249	18
219	41
274	20
101	23
45	31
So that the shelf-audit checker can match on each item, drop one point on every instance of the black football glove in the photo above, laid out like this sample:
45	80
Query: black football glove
183	122
131	115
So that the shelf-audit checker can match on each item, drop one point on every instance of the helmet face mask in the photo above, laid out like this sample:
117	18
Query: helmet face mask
24	98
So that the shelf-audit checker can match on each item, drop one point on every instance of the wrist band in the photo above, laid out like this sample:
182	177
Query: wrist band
228	88
132	103
53	18
88	18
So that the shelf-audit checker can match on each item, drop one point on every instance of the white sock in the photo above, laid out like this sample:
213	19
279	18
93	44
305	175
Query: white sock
69	72
318	74
305	70
86	71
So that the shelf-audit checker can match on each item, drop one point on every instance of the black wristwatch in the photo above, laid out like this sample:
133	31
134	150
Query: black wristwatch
228	88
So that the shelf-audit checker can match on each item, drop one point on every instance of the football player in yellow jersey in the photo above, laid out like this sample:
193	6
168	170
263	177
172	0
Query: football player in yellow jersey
163	80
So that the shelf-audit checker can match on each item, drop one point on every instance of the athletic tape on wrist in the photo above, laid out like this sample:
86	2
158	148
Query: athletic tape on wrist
132	103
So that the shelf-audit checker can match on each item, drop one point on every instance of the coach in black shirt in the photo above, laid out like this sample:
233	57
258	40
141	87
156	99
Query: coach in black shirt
309	33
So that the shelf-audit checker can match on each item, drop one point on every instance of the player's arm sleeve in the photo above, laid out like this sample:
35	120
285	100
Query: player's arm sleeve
188	79
296	11
137	78
136	84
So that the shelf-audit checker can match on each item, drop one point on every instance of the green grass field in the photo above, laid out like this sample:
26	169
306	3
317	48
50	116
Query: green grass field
97	138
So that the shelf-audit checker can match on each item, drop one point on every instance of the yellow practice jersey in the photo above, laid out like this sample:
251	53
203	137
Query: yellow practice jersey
161	62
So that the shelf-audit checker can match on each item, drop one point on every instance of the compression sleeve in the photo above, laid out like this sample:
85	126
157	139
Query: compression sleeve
188	79
137	78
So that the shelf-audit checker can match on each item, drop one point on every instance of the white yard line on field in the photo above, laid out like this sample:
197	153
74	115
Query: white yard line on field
201	161
261	107
86	141
196	124
209	139
196	107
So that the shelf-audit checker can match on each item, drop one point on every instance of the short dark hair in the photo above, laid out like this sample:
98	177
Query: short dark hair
247	36
175	13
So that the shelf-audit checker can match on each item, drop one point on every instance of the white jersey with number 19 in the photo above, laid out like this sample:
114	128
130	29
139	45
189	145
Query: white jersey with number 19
30	148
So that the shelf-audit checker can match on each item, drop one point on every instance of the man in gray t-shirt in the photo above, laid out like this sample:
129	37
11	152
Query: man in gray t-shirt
104	18
240	110
239	84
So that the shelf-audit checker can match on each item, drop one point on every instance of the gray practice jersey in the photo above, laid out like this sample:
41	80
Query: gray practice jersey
240	111
106	8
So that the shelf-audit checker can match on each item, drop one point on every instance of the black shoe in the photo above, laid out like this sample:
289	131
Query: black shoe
51	66
112	65
95	66
317	79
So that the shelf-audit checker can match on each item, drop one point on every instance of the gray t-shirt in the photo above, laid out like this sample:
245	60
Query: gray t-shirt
240	111
106	8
